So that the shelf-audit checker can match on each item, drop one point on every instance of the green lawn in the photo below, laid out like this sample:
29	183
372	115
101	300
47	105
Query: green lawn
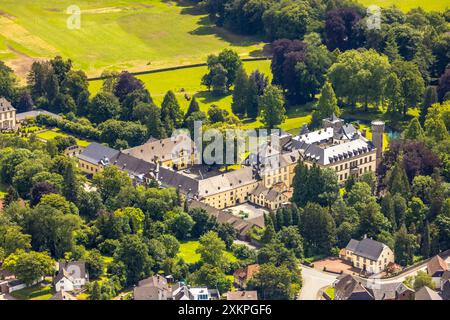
3	190
52	134
188	81
406	5
187	252
114	34
330	292
36	292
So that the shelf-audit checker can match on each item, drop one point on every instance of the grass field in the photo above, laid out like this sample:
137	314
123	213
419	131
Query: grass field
190	81
187	252
52	134
406	5
36	292
114	34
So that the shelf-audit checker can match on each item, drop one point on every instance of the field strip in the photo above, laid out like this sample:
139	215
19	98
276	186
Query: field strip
188	66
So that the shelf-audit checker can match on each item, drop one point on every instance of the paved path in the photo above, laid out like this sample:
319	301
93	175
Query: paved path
6	296
313	281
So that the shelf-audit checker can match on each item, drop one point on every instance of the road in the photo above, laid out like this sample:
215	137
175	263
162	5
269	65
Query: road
313	281
6	296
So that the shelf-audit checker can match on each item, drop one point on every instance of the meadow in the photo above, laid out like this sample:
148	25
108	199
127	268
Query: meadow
406	5
189	255
188	81
114	34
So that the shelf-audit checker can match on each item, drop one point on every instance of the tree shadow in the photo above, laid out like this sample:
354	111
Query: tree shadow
207	97
206	27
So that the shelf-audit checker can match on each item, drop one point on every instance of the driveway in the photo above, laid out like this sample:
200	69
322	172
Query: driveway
5	296
335	265
313	281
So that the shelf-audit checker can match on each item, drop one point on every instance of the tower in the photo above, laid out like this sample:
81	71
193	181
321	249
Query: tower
377	137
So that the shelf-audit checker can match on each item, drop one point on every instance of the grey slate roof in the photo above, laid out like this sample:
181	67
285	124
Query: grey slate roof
70	269
330	145
208	186
96	153
426	293
150	289
348	288
5	105
388	291
34	113
162	150
132	165
446	290
366	248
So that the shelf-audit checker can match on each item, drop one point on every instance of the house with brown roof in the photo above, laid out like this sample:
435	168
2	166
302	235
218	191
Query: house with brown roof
426	293
242	295
272	198
152	288
436	268
243	275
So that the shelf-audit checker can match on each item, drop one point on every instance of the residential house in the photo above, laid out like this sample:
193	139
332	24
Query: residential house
243	275
7	115
436	268
390	291
272	198
63	295
71	276
183	292
95	157
242	295
11	285
445	290
368	255
348	288
152	288
426	293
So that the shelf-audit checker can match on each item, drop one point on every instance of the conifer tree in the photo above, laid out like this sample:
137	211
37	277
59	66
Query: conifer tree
238	106
171	114
414	130
429	99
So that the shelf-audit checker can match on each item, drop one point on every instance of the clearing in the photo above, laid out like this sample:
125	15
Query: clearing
187	252
52	134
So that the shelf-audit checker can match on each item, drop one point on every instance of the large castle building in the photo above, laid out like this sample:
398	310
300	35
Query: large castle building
265	178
